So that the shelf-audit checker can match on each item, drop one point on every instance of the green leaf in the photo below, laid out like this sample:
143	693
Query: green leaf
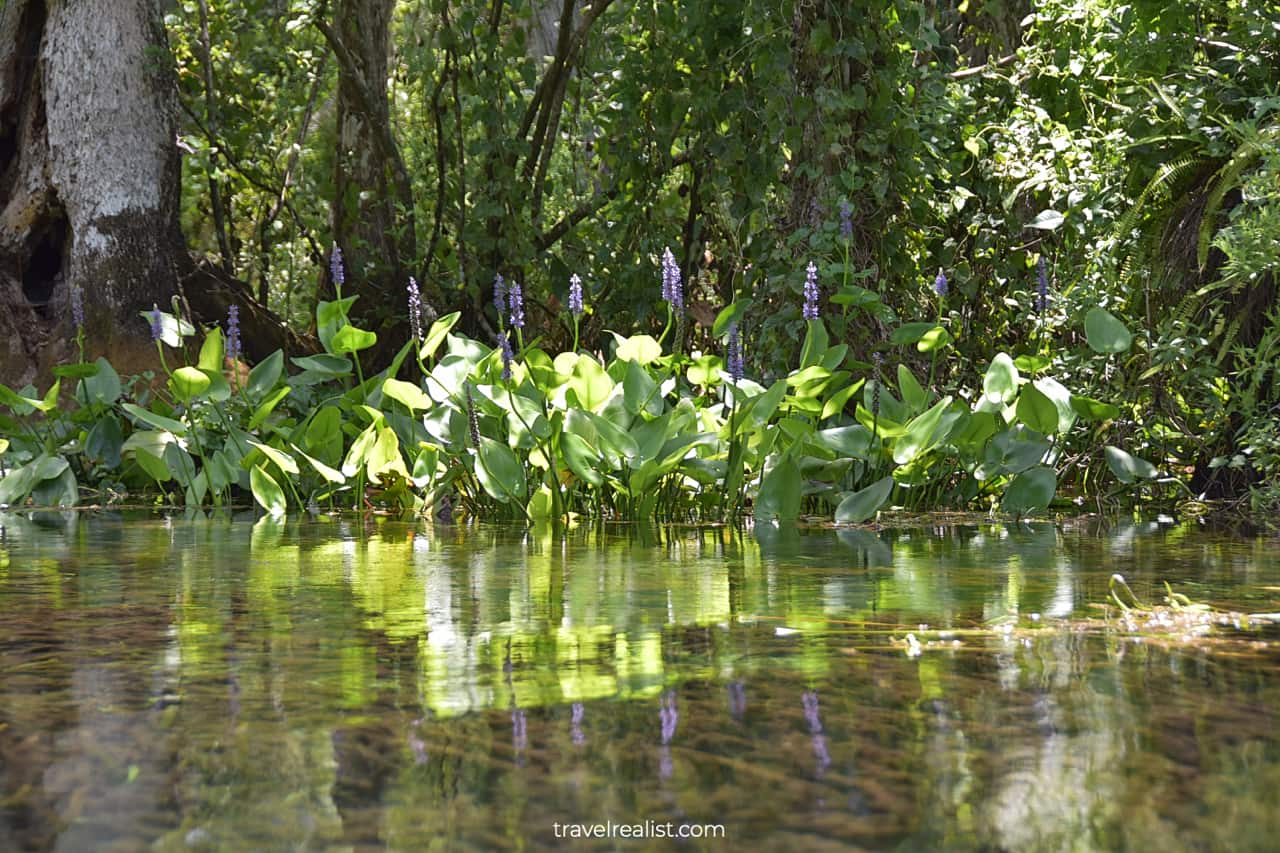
1037	411
590	383
212	350
436	334
836	402
104	442
75	371
349	339
640	391
705	371
864	504
282	460
384	456
407	394
921	433
1033	489
935	338
914	396
331	474
331	316
847	441
61	490
1047	220
580	458
733	313
188	383
1128	469
642	349
152	419
267	406
328	365
266	491
172	329
910	333
264	375
104	388
1001	382
815	344
1093	410
1105	333
499	471
780	494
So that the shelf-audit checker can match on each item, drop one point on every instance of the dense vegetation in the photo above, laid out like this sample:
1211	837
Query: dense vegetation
924	254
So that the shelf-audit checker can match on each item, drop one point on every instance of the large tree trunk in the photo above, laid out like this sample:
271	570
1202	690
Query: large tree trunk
89	178
373	212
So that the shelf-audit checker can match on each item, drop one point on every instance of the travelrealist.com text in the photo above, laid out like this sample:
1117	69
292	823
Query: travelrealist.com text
647	829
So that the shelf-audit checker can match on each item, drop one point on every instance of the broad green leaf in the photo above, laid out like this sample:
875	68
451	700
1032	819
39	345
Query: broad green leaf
384	456
935	338
1036	410
640	391
1010	452
212	350
815	344
580	458
1061	397
1093	410
266	491
330	317
779	497
499	471
406	393
1001	382
264	375
1047	220
914	396
282	460
152	419
188	383
172	329
642	349
705	371
1105	333
75	371
349	339
836	402
590	383
331	474
328	365
734	312
848	441
61	490
864	504
103	388
105	441
1033	489
1127	468
267	406
324	434
922	433
910	333
436	334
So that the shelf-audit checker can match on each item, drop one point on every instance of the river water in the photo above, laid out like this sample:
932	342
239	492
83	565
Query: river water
346	684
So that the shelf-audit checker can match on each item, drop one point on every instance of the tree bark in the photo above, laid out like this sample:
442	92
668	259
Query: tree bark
89	179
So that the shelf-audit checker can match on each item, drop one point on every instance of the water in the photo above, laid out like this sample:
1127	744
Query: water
217	685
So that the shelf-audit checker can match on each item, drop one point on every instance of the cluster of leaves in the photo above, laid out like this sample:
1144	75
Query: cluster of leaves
524	434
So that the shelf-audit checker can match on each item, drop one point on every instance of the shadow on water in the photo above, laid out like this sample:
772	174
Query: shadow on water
214	684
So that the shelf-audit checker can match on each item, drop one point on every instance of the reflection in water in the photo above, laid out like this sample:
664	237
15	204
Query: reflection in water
224	685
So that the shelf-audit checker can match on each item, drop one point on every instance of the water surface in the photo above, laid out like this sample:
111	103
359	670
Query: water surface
173	684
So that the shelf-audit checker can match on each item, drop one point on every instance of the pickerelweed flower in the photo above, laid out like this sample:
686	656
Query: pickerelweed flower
500	296
337	271
940	283
575	295
846	221
415	309
516	295
737	366
507	357
575	724
1042	290
157	326
77	306
668	715
672	281
875	389
473	420
233	349
811	292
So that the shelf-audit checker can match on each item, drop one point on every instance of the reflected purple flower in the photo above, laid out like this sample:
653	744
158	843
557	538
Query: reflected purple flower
668	714
575	725
737	700
811	291
417	744
809	699
519	730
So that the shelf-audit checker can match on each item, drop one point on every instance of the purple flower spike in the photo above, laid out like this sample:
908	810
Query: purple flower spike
516	295
668	715
940	283
811	292
737	366
77	306
575	295
672	281
337	271
500	296
415	309
507	357
157	327
846	221
233	348
1042	291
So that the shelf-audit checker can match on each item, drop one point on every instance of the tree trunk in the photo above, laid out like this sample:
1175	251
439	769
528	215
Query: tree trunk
373	211
89	179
